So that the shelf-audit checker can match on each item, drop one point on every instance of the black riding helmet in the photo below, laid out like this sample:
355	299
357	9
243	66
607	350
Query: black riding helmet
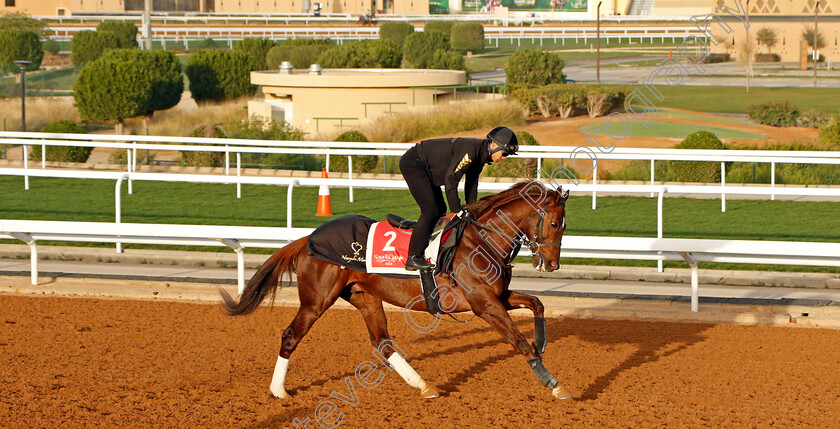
505	138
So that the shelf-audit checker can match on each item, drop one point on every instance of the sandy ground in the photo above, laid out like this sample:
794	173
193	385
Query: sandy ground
71	362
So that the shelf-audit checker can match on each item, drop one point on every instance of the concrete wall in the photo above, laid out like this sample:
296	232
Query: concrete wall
39	7
788	33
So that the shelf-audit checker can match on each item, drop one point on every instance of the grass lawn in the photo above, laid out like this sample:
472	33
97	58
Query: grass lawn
210	204
686	115
663	128
734	99
507	46
484	63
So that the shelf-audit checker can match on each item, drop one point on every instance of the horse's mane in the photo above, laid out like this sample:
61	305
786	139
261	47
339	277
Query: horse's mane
479	207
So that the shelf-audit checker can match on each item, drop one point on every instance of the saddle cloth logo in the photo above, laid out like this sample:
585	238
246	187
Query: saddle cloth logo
357	248
464	162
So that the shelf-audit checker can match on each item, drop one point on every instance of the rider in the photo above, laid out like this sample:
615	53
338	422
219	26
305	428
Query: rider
432	163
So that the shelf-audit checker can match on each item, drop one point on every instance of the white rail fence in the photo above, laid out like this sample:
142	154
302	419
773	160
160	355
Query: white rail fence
237	238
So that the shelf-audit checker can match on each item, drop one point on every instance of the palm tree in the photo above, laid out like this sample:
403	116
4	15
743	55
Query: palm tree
808	36
767	37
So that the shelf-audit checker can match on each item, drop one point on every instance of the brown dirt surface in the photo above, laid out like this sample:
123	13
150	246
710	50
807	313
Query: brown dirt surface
73	362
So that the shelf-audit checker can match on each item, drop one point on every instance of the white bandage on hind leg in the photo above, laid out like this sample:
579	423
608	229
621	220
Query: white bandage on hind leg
405	370
278	380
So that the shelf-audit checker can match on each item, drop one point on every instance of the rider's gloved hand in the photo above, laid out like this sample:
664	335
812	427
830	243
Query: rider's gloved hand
463	214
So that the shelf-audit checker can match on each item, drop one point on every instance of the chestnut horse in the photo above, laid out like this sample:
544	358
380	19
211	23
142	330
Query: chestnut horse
527	214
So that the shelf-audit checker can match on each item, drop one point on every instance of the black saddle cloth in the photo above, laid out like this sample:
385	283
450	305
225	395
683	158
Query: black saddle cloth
342	241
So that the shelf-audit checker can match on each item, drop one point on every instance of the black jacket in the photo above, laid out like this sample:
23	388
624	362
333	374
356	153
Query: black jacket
449	159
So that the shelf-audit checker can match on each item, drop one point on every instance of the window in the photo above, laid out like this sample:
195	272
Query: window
10	3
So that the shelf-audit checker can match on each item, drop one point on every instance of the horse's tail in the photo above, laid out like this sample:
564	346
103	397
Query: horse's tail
265	281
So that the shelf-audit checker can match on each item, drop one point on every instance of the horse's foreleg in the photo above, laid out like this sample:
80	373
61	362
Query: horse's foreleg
491	309
521	300
313	303
377	324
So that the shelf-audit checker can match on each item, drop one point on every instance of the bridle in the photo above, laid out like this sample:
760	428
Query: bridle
523	240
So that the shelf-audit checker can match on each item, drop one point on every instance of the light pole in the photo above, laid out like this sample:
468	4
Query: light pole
598	45
816	46
23	64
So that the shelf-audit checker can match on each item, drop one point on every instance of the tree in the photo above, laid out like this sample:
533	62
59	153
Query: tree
467	36
746	49
364	54
534	67
112	90
808	36
419	48
257	48
125	31
88	46
445	60
300	52
20	45
21	21
767	37
219	75
395	32
163	70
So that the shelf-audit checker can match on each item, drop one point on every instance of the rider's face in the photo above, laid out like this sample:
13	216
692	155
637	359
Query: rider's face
497	156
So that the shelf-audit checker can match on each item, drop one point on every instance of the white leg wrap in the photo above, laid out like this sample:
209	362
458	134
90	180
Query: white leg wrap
405	370
278	380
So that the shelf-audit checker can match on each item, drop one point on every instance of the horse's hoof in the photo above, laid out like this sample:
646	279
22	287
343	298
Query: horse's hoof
428	391
561	392
282	394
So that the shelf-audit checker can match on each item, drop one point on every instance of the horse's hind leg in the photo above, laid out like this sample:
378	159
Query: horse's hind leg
377	324
313	303
491	309
515	300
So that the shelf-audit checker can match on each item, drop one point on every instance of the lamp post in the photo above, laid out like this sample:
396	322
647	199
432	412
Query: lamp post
816	46
23	64
598	44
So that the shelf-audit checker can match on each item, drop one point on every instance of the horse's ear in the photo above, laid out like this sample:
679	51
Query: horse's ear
560	197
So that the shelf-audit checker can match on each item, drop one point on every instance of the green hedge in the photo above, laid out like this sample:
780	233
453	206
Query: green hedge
467	36
163	70
126	32
219	75
364	54
88	46
62	153
254	129
445	60
520	168
419	48
257	48
550	100
361	164
601	101
534	67
694	171
775	114
767	58
395	32
20	45
51	46
110	89
830	132
444	27
300	52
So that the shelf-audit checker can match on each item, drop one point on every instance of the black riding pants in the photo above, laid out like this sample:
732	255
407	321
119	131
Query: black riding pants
428	197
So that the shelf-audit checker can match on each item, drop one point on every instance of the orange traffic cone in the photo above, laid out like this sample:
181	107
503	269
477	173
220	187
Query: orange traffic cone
324	208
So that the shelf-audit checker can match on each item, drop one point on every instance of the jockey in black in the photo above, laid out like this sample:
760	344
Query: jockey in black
436	162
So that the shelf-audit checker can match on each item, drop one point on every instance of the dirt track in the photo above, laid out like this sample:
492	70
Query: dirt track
102	363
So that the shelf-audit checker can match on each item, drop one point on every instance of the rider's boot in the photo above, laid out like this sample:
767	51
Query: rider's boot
417	262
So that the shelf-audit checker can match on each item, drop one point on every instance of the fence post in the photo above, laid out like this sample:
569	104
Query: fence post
33	254
118	206
659	216
350	171
651	177
238	175
722	187
594	180
25	167
43	156
289	203
772	180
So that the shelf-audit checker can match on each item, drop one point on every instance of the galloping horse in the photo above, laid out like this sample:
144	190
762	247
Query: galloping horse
527	214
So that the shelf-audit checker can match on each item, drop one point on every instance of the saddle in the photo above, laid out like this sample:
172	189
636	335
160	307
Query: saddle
400	222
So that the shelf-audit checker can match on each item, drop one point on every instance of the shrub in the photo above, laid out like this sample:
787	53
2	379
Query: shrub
808	36
534	67
257	48
300	55
830	132
767	58
521	168
21	21
693	171
365	54
467	36
775	114
395	32
419	48
601	101
812	118
51	46
88	46
163	70
361	164
717	58
209	43
20	45
63	153
550	100
125	31
204	159
255	129
219	75
109	89
444	27
445	60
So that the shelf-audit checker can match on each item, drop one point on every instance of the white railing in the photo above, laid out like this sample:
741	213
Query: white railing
237	238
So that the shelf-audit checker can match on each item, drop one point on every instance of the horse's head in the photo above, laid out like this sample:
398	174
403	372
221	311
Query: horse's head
546	233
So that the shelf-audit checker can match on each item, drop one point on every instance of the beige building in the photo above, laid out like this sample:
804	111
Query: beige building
338	99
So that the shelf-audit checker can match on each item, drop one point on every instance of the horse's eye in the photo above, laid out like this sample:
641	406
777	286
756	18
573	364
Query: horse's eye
554	224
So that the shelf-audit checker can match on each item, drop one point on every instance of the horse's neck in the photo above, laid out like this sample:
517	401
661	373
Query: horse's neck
509	217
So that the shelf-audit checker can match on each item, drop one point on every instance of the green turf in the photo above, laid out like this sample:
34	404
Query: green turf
663	128
484	63
687	115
